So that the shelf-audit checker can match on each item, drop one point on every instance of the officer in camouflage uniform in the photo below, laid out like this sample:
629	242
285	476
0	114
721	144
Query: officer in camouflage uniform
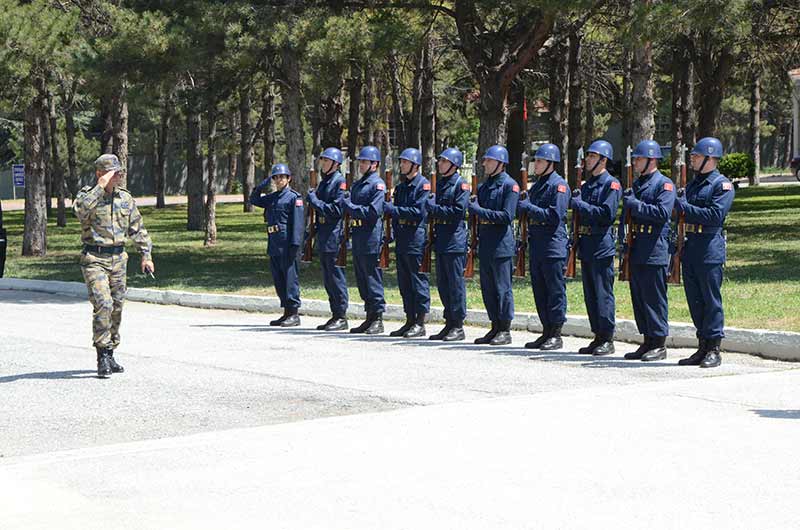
108	216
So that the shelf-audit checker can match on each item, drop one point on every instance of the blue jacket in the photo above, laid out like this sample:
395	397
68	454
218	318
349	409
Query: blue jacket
365	206
448	213
284	214
409	214
496	209
598	205
651	208
325	202
546	208
708	200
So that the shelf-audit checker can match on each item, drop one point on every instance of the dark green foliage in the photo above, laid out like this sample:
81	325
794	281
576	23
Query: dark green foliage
737	165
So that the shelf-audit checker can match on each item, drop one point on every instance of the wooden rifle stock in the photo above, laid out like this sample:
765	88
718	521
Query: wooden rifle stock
472	249
572	258
341	257
425	266
385	258
625	263
311	221
675	267
522	240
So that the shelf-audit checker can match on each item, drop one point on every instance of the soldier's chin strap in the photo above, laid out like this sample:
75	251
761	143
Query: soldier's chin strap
449	171
411	171
370	170
600	159
334	168
703	165
496	169
549	169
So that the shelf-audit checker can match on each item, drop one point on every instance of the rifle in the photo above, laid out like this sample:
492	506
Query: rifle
425	266
472	249
387	219
576	221
522	227
311	223
675	268
341	257
625	259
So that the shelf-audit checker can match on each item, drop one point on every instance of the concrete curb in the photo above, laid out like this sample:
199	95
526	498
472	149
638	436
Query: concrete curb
781	345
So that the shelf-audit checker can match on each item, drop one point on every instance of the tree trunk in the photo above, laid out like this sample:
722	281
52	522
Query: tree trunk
398	112
369	107
46	161
119	108
354	87
211	167
713	69
588	129
107	116
331	112
414	138
194	166
516	130
557	88
292	111
627	100
268	122
755	126
34	238
643	85
58	170
233	158
72	156
575	99
427	110
246	145
315	120
161	151
493	115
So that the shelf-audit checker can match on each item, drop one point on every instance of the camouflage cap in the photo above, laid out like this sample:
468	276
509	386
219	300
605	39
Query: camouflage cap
107	163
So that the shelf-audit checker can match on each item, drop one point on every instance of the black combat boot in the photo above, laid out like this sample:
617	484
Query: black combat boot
376	326
637	355
103	364
455	333
503	335
486	339
418	329
587	350
399	332
697	357
443	333
553	341
535	345
115	367
291	321
322	327
657	351
713	357
361	328
606	346
279	321
337	323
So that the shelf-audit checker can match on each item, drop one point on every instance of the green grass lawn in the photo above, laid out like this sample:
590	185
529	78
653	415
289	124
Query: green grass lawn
761	288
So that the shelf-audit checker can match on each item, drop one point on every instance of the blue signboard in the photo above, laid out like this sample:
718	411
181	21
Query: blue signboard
18	171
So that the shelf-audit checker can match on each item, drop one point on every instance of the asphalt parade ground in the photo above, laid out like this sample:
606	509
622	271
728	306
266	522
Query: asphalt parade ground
222	422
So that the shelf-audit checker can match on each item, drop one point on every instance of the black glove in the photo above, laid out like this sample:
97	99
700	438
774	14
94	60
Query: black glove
681	192
628	192
576	192
473	198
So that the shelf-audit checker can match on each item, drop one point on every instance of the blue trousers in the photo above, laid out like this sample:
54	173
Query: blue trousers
335	282
598	294
286	280
414	286
649	297
369	278
549	290
451	286
498	296
702	283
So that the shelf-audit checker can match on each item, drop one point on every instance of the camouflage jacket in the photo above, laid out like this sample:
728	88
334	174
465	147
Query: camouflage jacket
107	220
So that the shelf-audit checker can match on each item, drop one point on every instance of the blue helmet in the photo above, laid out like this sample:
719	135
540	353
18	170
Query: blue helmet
647	149
370	153
548	152
280	169
497	152
602	148
708	146
332	153
453	155
412	155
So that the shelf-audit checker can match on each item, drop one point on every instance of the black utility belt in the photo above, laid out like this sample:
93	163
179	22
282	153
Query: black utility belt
646	229
96	249
585	230
274	229
702	229
357	223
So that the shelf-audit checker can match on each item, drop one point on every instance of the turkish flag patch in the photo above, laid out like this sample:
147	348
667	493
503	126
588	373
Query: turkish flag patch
381	187
562	188
727	186
298	202
343	185
668	186
464	186
615	186
515	189
426	187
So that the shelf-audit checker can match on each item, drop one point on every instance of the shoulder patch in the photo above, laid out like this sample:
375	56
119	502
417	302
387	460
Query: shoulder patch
615	185
668	186
343	185
381	186
727	186
464	186
298	202
515	188
562	189
426	186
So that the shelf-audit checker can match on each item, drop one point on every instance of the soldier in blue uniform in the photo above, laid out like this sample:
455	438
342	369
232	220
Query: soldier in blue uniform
446	211
329	233
705	203
650	202
408	210
283	212
496	207
597	202
546	208
364	203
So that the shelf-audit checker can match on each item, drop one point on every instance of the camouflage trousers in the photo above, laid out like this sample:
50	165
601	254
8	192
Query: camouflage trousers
106	280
